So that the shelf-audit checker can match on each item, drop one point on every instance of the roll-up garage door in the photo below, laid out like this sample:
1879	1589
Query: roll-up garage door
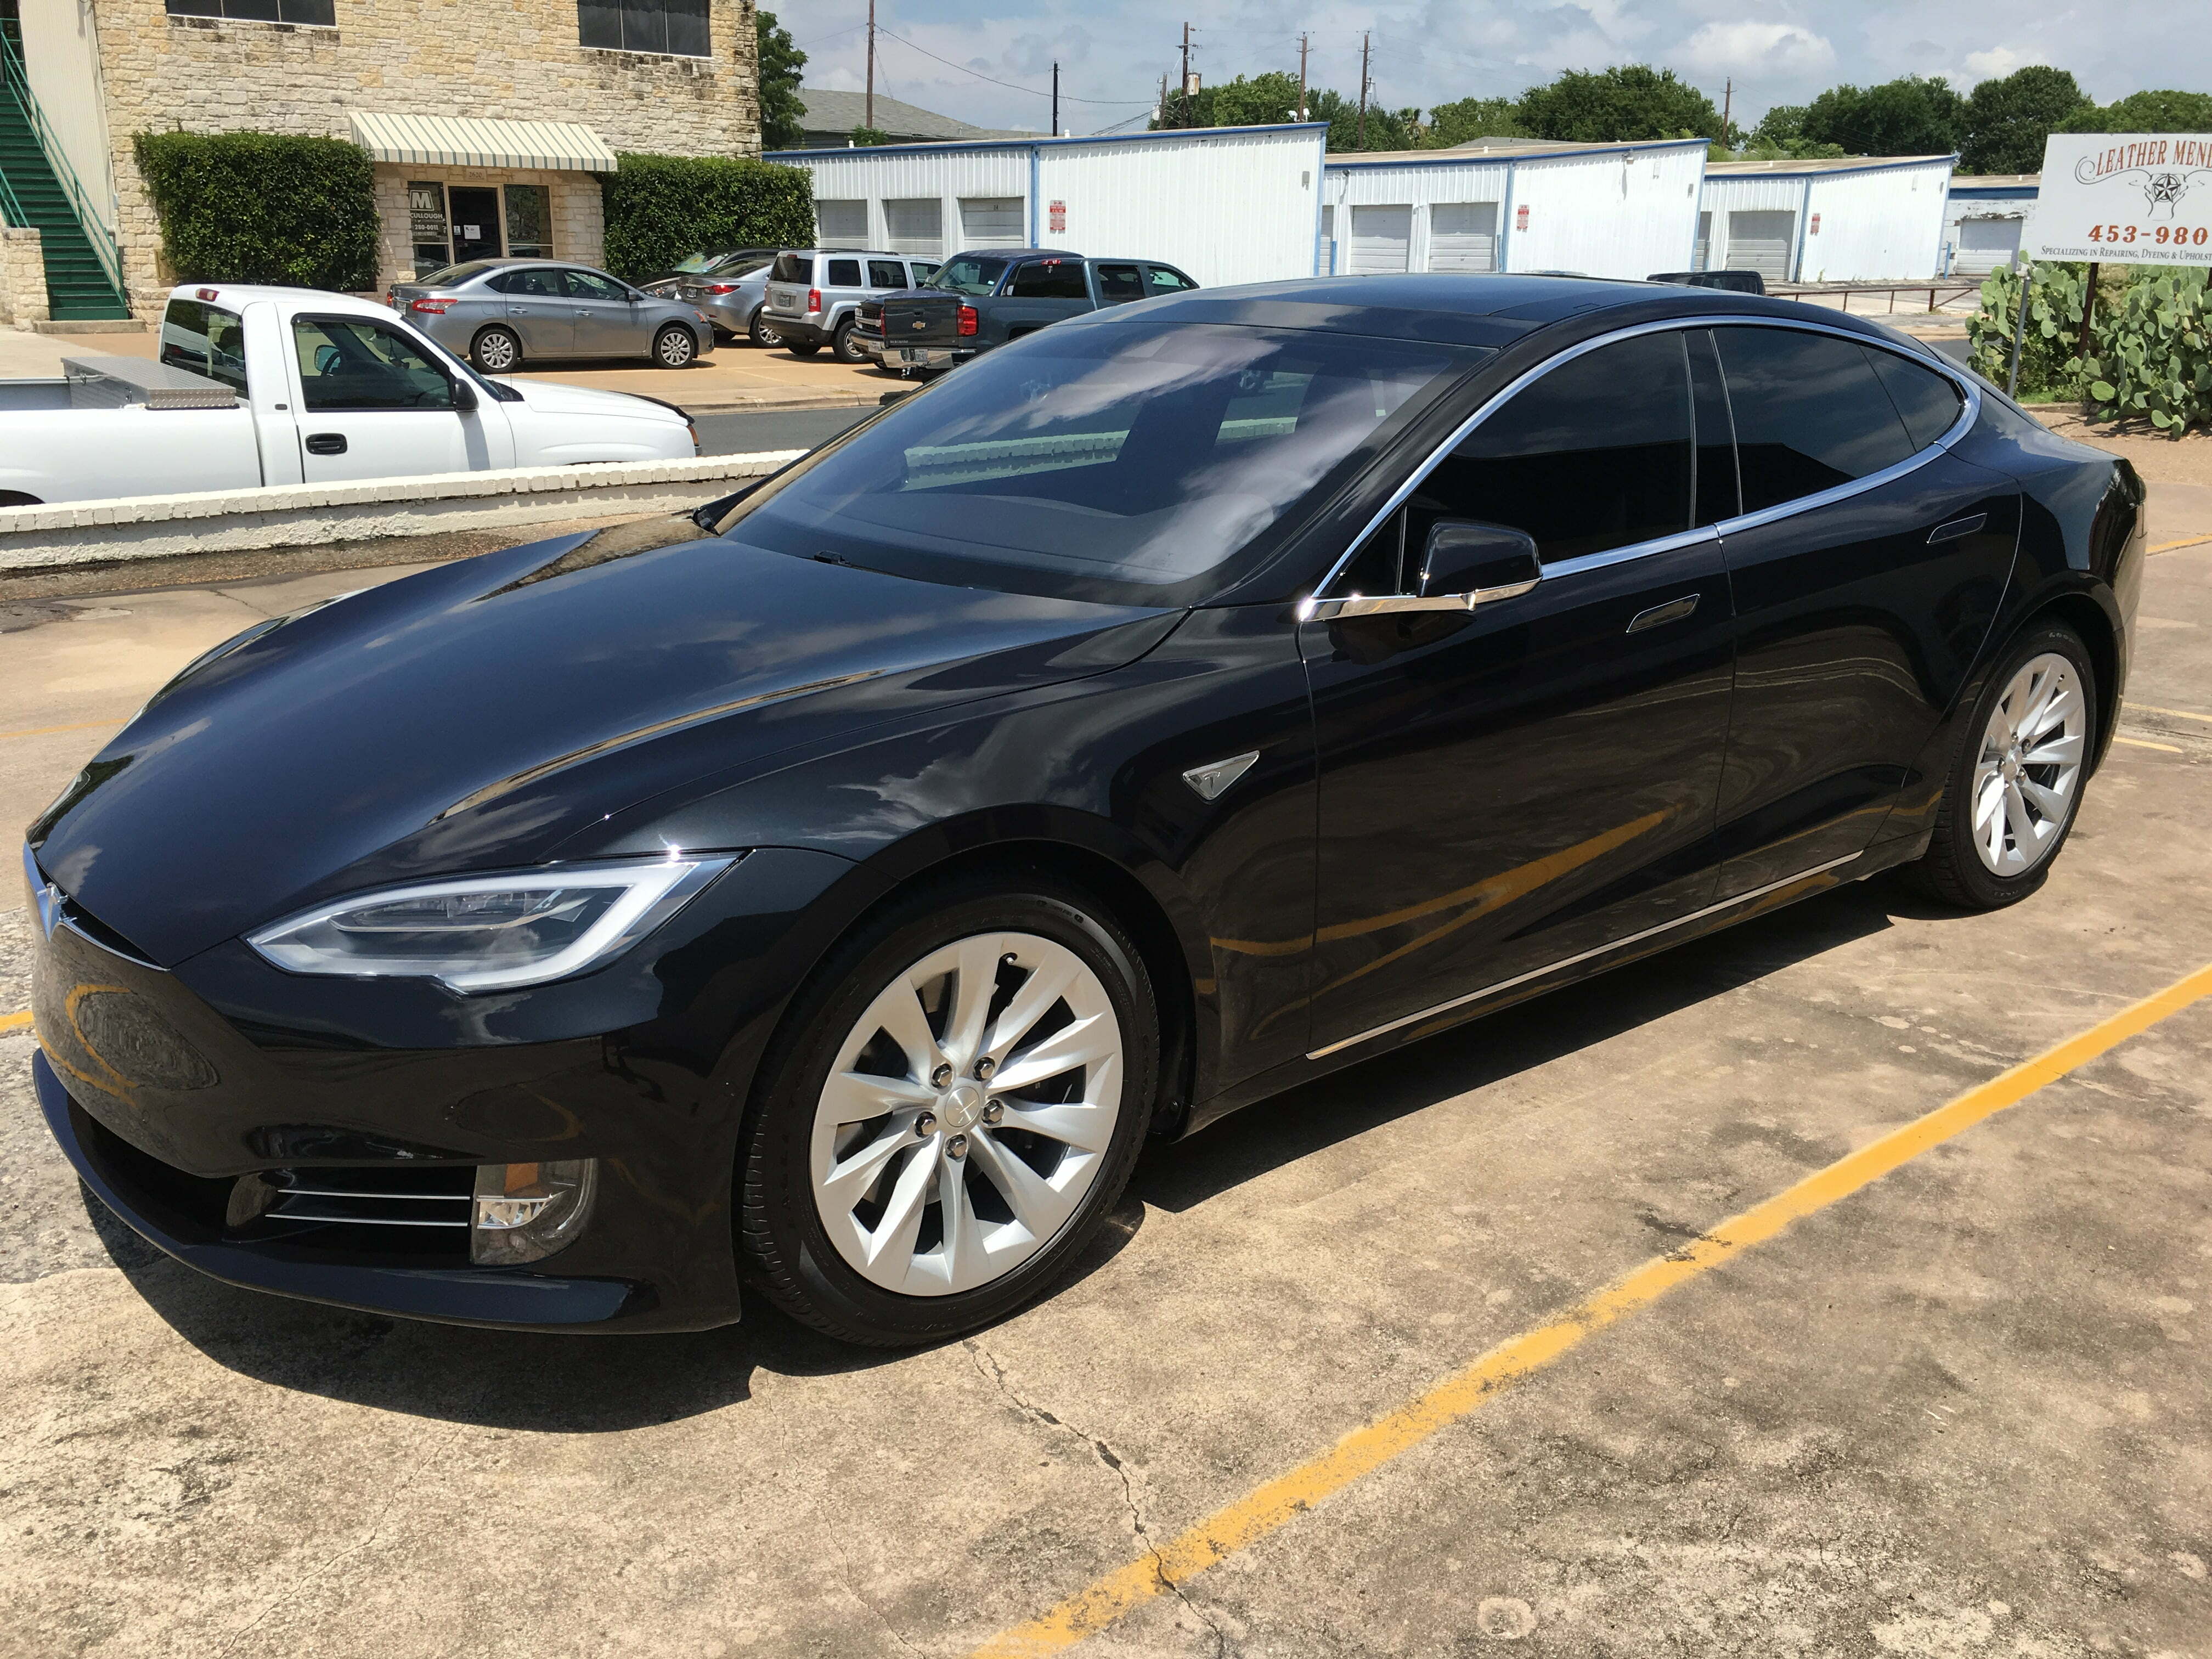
1382	239
915	226
1762	242
1986	243
1325	251
1463	236
844	224
993	221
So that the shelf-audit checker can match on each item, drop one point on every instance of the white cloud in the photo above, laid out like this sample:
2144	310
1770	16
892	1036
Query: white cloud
1749	47
1995	63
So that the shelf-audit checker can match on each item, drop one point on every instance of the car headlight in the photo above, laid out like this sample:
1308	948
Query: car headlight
490	932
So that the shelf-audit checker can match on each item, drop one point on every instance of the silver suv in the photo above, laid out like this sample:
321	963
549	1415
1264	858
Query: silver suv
814	297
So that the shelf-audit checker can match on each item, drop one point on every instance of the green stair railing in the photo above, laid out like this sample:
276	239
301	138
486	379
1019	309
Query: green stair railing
13	78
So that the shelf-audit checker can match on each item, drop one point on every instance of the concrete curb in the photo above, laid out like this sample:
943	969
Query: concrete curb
767	402
297	515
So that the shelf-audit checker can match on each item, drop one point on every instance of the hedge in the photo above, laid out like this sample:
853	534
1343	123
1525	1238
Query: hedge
659	208
253	207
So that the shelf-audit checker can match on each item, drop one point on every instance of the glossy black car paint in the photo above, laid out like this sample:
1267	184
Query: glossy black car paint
1471	799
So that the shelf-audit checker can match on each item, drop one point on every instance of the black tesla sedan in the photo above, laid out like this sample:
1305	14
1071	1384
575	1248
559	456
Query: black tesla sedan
832	890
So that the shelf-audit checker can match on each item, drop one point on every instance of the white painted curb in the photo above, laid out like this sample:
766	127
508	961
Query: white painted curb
302	515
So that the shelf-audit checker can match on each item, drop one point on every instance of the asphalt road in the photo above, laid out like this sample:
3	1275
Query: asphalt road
749	432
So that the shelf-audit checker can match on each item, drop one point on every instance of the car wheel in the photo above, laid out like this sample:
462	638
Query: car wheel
765	334
2016	781
954	1108
496	351
802	348
674	347
847	346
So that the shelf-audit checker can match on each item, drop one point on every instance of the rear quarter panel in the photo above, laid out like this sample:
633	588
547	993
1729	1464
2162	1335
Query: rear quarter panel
96	454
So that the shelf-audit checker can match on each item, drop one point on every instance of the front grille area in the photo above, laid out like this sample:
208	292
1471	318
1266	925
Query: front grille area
426	1197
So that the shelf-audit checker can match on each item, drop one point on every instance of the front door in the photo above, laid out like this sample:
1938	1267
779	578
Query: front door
606	322
1504	789
1860	617
475	223
373	404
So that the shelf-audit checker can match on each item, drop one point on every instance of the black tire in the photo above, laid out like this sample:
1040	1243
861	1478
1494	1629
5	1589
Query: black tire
496	351
1952	870
785	1245
765	335
802	348
846	345
675	346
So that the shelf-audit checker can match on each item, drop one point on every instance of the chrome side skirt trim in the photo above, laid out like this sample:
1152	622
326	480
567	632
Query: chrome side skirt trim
1569	962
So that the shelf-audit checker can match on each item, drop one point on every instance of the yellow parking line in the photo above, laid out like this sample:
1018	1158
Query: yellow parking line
1365	1451
83	726
14	1022
2186	541
2144	742
2177	714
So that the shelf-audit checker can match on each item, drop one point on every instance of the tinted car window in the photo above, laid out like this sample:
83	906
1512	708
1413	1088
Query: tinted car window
539	282
1050	279
1112	464
584	285
352	363
843	273
970	276
924	274
1809	413
447	275
886	273
1118	284
206	340
793	268
1927	404
1595	455
1166	280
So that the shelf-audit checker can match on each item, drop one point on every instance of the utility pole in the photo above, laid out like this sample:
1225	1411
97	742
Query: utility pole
1728	103
1302	77
1359	131
1186	74
1055	97
869	121
1160	111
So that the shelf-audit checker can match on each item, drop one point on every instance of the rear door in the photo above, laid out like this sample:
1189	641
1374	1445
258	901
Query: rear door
372	404
1040	293
538	309
1868	567
1118	284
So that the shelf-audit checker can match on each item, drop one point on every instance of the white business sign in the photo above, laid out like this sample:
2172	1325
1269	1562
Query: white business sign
2126	198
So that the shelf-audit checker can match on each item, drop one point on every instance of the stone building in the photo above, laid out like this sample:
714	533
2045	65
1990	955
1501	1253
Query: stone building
489	124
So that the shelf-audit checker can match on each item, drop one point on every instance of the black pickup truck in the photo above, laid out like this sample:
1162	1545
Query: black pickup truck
980	300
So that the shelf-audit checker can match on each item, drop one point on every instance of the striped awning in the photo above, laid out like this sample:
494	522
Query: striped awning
456	141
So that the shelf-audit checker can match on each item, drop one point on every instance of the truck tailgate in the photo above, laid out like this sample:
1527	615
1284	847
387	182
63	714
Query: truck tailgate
921	319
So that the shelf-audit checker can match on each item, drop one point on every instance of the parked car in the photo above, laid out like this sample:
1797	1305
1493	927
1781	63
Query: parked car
837	888
1732	282
730	262
276	385
733	302
814	297
979	300
499	312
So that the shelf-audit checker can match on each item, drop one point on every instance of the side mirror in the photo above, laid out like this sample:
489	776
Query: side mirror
1464	557
464	396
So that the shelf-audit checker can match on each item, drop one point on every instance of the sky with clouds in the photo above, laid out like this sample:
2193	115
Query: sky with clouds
988	61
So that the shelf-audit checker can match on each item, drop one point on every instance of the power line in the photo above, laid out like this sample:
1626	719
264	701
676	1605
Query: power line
1034	92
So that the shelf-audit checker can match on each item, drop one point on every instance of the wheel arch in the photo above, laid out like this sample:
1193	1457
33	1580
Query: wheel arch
494	326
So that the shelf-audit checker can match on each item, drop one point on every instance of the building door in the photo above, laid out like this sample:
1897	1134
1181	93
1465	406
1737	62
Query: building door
477	215
1325	254
1382	239
1987	244
1463	236
1701	257
915	225
1762	242
991	222
844	224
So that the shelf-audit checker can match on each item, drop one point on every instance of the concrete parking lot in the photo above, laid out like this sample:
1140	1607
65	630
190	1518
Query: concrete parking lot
1962	1410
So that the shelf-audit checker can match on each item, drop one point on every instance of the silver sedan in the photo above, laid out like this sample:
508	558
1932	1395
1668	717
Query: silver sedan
499	312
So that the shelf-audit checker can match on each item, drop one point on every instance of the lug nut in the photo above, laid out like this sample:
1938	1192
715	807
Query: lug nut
941	1076
985	1066
994	1113
957	1148
925	1125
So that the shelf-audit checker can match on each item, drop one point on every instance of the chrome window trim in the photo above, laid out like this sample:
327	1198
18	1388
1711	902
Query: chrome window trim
1323	1052
1969	411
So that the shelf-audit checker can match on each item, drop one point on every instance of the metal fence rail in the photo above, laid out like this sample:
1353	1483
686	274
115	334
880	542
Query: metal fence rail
17	81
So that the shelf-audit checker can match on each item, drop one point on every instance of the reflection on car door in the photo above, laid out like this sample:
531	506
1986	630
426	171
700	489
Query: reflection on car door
373	404
1502	790
1858	618
539	311
606	322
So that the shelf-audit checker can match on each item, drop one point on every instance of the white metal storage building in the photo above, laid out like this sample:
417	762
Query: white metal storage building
1514	205
1983	222
1226	205
1850	220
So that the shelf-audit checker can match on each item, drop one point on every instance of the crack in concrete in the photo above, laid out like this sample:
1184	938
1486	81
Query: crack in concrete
987	1365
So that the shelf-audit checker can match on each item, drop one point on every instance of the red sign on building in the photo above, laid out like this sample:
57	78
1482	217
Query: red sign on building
1056	216
1816	224
1520	218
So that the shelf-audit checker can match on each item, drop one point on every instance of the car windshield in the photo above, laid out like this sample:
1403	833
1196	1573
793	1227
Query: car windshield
1127	463
970	276
452	274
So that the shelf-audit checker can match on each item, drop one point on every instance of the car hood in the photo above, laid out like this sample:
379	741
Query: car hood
481	715
552	398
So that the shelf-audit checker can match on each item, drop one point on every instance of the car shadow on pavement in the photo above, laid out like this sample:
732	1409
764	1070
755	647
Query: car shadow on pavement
1291	1125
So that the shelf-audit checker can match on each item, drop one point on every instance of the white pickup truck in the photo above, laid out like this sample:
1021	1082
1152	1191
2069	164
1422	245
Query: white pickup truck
278	385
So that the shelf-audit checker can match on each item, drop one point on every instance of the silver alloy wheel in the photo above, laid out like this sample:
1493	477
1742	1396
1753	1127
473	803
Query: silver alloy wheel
969	1111
2029	767
496	351
675	348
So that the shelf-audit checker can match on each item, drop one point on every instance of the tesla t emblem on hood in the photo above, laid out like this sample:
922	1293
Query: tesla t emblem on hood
1211	780
50	909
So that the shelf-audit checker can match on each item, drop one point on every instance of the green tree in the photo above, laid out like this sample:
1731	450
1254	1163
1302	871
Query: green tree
1756	149
1913	115
782	110
1471	119
1385	128
1782	123
2141	112
865	137
2007	120
1630	102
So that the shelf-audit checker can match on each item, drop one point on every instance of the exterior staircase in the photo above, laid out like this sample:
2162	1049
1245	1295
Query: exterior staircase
78	287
